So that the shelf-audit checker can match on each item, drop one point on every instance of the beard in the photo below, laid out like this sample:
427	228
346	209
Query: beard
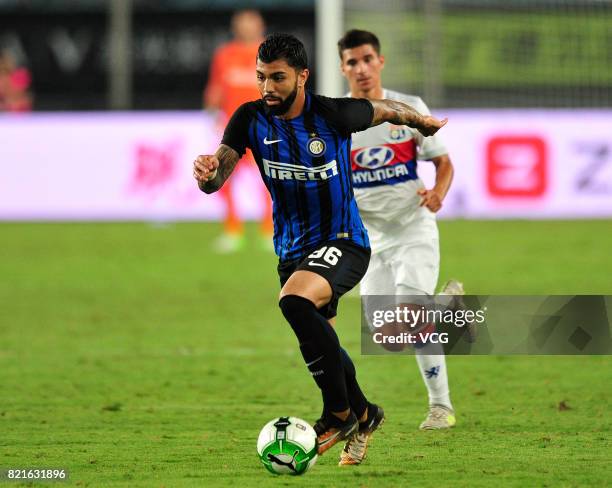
284	105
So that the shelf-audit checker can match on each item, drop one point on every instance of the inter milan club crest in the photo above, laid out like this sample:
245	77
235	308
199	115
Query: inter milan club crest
315	146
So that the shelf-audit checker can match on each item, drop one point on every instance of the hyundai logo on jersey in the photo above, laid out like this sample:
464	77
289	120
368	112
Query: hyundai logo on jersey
374	157
387	164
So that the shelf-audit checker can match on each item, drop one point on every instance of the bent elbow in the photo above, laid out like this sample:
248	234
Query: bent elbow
208	188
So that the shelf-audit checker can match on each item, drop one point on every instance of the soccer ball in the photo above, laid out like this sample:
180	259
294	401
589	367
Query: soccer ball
287	445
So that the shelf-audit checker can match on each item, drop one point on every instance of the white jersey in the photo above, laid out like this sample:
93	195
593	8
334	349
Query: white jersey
385	180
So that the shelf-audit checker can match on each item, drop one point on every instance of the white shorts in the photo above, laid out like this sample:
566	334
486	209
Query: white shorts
403	270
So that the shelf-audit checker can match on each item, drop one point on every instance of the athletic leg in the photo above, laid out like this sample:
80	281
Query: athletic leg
232	239
417	269
321	351
376	281
308	299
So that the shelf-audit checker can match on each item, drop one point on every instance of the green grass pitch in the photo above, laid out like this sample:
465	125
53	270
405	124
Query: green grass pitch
132	355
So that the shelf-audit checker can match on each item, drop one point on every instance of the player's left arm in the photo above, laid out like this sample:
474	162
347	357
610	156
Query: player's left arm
432	199
399	113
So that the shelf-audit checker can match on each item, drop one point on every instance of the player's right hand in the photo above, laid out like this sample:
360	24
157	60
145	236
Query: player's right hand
431	125
205	167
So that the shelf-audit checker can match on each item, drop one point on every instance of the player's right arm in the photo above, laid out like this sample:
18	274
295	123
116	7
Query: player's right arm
399	113
212	170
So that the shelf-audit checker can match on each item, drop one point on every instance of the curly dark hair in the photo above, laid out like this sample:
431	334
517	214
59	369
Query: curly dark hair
283	46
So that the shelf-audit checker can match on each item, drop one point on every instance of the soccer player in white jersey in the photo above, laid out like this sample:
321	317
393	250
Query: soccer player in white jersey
398	211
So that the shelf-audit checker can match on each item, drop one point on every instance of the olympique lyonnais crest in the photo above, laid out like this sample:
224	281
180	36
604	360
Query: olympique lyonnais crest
397	132
316	146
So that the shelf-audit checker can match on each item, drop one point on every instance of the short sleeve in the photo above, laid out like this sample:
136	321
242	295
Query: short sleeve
432	146
348	115
236	134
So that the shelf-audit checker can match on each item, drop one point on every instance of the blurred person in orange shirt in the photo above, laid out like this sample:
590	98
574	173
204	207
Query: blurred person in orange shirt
14	84
232	83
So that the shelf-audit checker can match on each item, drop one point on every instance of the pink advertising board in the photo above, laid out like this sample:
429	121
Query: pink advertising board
529	163
137	166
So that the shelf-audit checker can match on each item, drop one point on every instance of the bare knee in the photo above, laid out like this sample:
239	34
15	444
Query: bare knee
308	285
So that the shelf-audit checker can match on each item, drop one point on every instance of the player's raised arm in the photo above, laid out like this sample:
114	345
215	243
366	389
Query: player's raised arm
401	114
211	171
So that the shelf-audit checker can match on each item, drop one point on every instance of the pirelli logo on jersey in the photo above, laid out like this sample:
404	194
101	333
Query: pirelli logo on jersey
286	171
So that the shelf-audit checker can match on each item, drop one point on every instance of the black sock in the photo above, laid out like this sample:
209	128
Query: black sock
368	416
357	399
320	349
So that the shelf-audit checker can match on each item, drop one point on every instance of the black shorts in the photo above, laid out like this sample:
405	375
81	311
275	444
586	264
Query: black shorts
341	262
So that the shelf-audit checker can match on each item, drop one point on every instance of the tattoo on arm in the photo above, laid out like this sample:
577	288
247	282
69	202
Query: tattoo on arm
228	158
395	112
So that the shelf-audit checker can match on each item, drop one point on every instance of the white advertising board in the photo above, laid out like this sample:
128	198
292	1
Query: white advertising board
138	166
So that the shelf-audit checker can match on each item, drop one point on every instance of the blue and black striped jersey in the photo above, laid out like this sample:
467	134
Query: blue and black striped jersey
305	163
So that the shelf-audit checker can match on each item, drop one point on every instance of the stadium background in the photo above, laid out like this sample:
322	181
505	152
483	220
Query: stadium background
133	355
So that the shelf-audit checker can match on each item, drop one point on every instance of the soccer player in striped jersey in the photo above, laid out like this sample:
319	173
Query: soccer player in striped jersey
397	210
302	143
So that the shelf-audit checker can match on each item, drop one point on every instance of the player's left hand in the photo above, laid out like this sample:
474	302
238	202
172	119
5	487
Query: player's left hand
431	125
430	199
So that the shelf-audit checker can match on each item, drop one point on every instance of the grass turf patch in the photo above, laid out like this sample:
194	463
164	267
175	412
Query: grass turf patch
132	355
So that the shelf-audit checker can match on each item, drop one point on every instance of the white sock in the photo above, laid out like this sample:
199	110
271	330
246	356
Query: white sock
432	364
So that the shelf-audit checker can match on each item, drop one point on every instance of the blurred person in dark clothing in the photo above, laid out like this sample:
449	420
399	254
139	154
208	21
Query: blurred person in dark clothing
232	83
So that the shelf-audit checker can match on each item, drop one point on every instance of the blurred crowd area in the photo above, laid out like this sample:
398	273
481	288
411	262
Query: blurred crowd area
67	47
65	55
14	85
